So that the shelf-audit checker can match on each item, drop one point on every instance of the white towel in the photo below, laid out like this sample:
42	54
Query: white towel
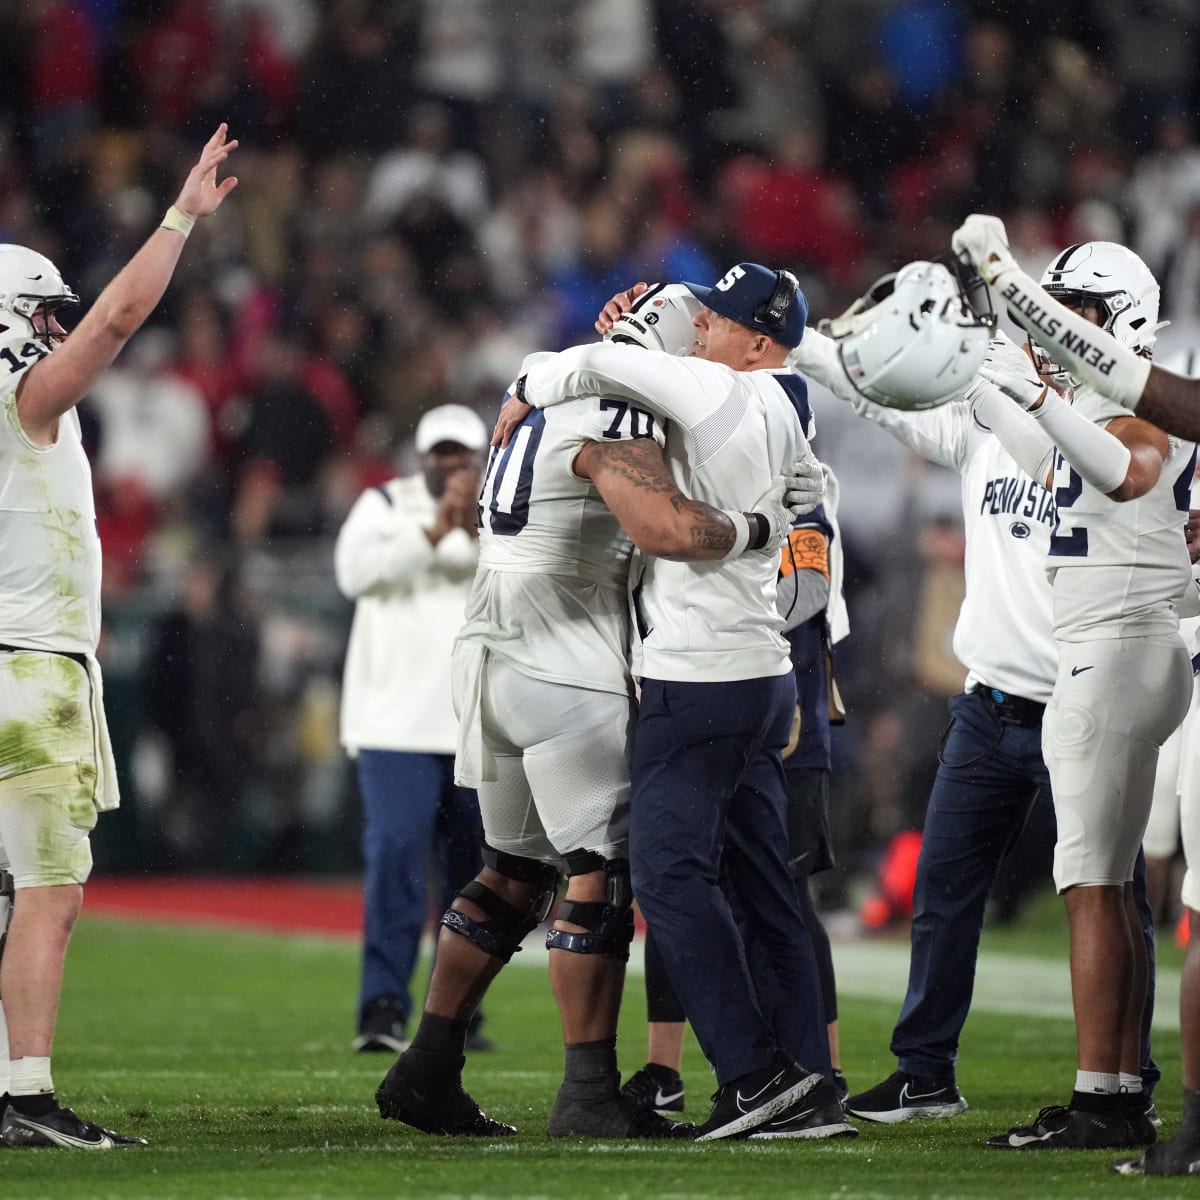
473	762
108	794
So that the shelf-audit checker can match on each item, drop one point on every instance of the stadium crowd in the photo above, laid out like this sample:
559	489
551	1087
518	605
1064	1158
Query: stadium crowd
432	188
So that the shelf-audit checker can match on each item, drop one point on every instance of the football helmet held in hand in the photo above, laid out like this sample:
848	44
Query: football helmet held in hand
914	341
660	319
29	281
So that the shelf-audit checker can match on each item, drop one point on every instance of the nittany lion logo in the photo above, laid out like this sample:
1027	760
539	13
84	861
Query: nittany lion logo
1019	530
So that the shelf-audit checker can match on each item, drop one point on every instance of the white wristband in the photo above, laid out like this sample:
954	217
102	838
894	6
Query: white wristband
1100	458
741	533
177	220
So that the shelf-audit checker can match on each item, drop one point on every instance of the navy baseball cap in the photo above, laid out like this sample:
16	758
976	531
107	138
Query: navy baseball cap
770	302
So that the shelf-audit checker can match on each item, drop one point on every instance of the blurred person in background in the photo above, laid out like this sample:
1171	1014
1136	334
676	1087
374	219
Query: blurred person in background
406	556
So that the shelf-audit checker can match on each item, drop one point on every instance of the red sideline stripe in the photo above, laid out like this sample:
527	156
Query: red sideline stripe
272	905
275	905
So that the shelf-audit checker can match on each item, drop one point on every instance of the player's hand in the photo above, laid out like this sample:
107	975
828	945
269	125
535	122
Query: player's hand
984	241
512	412
778	516
804	484
622	302
1008	367
1192	532
201	194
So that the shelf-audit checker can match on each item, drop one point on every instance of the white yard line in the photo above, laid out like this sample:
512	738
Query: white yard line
1004	983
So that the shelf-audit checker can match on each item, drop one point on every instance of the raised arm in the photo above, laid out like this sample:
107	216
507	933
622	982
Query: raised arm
60	380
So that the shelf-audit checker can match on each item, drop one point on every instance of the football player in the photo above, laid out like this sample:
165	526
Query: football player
1120	575
56	766
718	695
544	698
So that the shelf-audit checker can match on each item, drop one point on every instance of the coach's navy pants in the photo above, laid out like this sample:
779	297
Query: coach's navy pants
989	775
709	805
415	818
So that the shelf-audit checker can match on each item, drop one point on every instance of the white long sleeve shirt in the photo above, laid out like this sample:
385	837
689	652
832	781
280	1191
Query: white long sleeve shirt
409	599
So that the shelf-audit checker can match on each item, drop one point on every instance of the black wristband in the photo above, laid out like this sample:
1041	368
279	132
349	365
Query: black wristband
520	389
760	531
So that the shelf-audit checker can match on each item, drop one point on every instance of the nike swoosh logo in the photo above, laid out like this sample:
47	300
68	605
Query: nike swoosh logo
905	1094
755	1095
661	1098
104	1142
1079	670
1020	1139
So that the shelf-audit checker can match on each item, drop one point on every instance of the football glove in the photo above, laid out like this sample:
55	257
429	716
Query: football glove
805	484
984	241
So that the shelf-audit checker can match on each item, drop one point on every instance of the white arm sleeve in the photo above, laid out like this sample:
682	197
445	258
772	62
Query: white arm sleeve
378	548
1100	458
1088	353
817	357
657	382
1031	449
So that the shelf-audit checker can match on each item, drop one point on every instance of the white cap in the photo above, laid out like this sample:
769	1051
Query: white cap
451	423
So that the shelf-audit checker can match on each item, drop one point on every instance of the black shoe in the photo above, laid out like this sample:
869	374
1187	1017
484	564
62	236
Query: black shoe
60	1127
1141	1126
752	1100
904	1097
1062	1127
1175	1156
655	1088
818	1115
424	1090
380	1028
582	1111
479	1043
843	1088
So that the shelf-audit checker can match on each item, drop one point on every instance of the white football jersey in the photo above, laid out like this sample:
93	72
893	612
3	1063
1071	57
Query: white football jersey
550	592
1004	631
50	568
1119	569
729	433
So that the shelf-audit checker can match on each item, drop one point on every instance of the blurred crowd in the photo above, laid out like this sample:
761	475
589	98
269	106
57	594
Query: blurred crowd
430	189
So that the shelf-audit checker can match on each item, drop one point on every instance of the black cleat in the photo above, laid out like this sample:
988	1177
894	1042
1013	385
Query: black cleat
818	1115
904	1097
1175	1156
843	1088
753	1099
424	1091
587	1111
60	1127
656	1089
1060	1127
380	1029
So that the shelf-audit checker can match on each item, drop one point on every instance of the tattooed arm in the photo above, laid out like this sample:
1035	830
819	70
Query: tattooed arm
634	481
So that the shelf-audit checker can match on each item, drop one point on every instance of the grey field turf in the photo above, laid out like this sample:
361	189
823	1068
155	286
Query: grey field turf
229	1051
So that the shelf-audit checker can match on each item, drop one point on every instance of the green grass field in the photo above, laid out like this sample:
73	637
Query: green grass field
229	1051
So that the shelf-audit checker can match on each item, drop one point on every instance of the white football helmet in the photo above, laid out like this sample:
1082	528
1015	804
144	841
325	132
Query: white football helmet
660	319
913	341
1117	282
29	280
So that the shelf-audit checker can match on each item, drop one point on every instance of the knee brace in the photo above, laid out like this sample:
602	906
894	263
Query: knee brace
507	925
609	923
7	893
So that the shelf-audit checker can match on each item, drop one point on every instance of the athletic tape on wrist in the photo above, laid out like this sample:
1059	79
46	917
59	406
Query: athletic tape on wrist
177	220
